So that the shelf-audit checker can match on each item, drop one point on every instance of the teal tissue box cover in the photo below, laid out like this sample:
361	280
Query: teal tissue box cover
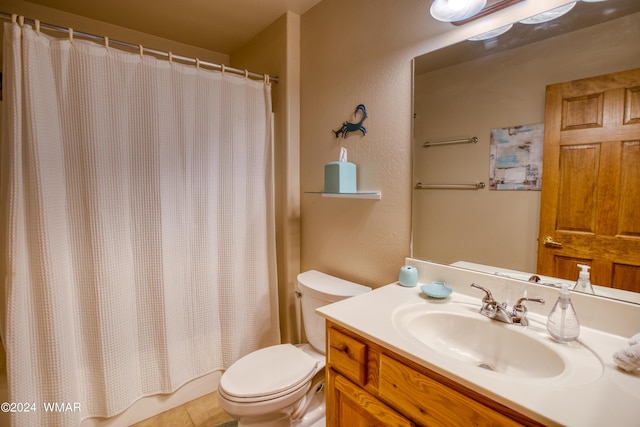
340	177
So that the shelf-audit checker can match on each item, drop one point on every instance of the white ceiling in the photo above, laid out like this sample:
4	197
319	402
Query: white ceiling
218	25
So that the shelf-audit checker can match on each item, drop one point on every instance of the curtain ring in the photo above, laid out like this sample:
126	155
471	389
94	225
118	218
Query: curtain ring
21	20
222	69
14	18
106	42
170	57
37	25
141	50
266	79
197	63
70	34
246	74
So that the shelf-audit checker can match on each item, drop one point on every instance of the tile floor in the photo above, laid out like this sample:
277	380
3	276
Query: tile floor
202	412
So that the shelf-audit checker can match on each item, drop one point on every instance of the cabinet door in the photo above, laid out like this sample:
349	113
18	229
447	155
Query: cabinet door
431	403
356	408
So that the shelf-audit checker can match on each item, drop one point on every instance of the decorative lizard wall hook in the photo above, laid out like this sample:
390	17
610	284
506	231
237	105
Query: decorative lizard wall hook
352	127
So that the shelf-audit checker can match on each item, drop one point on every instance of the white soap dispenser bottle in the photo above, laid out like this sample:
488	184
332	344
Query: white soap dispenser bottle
584	282
562	322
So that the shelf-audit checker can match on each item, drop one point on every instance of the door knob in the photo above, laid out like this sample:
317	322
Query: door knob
550	243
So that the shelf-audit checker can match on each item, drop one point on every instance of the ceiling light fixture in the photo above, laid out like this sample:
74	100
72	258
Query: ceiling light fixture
549	15
456	10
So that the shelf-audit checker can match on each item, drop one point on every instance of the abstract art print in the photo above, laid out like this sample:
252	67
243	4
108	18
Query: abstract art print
516	158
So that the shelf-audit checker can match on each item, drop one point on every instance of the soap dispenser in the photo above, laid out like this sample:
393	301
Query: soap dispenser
584	282
563	323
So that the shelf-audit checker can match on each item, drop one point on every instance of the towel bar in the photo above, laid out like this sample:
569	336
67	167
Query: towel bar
472	140
471	186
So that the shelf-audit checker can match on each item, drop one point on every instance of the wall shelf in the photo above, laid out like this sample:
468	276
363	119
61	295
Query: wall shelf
374	195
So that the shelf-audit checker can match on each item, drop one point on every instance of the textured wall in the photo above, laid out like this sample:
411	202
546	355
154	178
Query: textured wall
360	51
276	51
351	54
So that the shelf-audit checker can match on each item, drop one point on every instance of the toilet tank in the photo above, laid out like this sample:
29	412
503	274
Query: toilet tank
319	289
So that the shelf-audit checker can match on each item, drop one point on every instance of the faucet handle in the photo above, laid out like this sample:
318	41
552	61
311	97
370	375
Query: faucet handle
520	310
488	298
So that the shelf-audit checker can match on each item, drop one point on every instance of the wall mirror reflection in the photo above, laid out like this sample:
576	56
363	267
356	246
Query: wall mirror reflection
497	85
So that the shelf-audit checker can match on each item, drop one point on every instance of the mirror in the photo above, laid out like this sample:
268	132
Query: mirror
468	89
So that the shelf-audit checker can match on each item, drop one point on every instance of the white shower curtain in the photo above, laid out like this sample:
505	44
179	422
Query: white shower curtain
137	222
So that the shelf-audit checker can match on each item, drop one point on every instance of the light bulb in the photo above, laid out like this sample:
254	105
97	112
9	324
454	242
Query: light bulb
457	4
549	15
491	34
456	10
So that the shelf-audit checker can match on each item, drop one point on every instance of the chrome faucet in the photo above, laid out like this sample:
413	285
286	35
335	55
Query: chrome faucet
499	311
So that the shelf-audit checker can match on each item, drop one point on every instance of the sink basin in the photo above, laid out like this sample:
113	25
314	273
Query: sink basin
485	343
458	332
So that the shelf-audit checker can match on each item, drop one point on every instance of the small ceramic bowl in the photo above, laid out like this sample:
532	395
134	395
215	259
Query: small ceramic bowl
436	290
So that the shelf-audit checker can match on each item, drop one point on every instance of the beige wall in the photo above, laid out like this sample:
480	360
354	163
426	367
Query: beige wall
351	54
360	51
507	89
276	51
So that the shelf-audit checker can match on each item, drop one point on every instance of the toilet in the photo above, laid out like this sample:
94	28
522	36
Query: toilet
283	385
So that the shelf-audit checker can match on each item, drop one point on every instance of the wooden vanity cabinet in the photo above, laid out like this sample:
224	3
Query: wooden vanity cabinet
368	386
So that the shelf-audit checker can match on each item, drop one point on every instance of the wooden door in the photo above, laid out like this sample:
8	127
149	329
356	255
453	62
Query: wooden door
590	207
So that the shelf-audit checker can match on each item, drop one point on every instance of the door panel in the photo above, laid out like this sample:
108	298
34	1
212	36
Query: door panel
582	112
578	178
626	277
630	209
632	105
590	204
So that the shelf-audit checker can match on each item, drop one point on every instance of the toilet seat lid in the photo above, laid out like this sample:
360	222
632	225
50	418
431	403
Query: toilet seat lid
268	371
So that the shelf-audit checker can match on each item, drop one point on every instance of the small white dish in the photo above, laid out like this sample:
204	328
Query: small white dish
436	290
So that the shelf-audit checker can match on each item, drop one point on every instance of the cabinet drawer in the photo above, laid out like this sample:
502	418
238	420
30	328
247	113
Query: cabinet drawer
429	402
347	356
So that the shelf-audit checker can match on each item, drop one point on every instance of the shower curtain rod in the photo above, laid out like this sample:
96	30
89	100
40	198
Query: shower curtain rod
142	49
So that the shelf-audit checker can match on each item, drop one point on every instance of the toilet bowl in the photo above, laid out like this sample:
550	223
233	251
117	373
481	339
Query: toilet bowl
283	385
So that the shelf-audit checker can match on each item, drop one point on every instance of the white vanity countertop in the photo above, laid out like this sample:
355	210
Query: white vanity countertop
608	397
